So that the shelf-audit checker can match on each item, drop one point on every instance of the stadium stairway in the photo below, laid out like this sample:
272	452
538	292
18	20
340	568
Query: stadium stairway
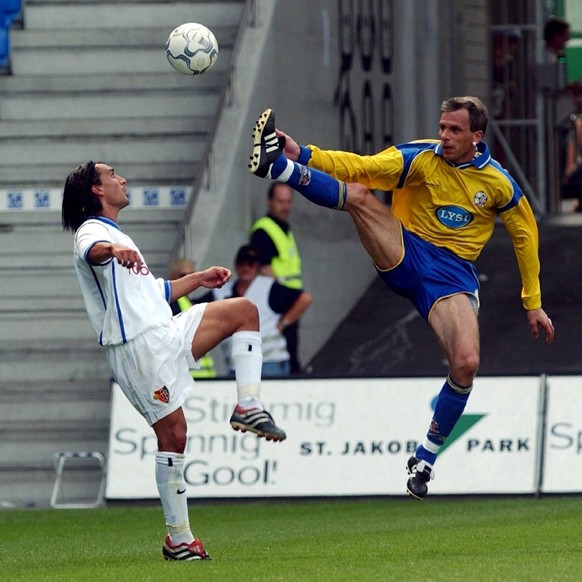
54	377
88	81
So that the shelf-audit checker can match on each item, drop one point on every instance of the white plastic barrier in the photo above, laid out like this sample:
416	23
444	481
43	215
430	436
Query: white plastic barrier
353	437
563	436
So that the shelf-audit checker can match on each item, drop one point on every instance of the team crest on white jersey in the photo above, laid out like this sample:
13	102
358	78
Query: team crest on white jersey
162	394
480	199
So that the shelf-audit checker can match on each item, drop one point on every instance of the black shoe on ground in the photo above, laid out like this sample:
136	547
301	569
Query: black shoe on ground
258	421
421	473
192	551
267	146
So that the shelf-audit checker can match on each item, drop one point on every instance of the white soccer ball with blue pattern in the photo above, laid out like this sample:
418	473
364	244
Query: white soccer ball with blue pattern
192	49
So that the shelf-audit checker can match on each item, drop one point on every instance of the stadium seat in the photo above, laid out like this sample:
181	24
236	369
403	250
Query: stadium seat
4	47
9	11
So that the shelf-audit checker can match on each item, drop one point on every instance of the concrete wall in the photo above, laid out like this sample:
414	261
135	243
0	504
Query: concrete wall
296	75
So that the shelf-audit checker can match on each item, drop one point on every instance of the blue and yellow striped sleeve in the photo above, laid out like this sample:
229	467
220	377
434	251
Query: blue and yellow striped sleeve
386	170
380	171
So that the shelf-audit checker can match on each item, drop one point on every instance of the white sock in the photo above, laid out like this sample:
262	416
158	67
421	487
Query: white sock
170	480
247	358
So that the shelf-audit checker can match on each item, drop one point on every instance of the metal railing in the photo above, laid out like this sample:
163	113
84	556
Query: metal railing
516	168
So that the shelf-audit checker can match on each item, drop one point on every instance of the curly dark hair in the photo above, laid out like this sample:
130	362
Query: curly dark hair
79	201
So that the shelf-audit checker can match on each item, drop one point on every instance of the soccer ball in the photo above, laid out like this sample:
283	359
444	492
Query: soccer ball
192	49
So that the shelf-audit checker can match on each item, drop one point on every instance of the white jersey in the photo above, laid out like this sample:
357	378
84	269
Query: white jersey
121	302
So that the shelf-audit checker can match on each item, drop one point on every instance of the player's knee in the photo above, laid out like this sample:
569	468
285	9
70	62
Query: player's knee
464	367
179	441
173	440
248	313
357	194
171	432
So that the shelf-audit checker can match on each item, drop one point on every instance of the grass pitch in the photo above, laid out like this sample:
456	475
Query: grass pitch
489	539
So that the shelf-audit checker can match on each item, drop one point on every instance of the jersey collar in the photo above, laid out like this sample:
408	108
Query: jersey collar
479	161
105	220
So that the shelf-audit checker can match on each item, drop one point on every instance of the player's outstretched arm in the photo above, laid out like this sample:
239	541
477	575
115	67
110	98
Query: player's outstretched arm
126	257
211	278
539	321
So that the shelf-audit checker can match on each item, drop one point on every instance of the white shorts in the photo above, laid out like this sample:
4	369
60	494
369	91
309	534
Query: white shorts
153	369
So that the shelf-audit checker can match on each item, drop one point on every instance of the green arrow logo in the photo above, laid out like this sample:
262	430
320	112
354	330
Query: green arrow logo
465	423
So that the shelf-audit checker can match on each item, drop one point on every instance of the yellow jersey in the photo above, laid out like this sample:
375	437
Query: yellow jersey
451	206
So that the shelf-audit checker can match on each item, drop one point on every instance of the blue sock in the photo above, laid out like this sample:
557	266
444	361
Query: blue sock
449	406
316	186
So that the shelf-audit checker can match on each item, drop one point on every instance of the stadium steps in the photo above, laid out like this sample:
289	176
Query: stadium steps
104	59
54	376
55	397
47	174
90	80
